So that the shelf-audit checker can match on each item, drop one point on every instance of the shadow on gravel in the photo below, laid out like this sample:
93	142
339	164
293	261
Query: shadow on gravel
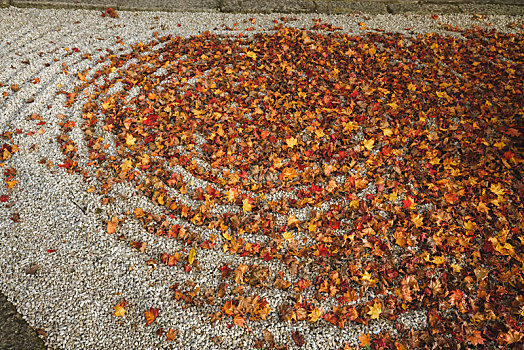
16	334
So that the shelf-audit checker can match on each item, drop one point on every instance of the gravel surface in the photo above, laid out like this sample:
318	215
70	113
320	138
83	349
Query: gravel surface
57	263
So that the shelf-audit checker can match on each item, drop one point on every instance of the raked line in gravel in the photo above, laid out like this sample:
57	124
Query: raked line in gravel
79	271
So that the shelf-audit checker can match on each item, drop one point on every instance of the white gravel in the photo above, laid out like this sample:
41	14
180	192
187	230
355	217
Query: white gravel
72	293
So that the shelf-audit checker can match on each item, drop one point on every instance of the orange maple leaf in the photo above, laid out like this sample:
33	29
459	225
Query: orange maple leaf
475	338
120	308
365	340
111	225
171	334
239	321
151	315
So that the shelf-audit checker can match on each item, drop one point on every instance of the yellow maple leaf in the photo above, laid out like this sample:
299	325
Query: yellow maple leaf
497	189
292	221
252	55
366	276
375	310
315	314
387	132
6	155
288	236
393	196
130	140
319	133
226	235
231	195
417	220
106	104
246	206
191	256
470	225
500	145
120	309
456	267
350	126
126	165
354	204
368	144
291	142
439	260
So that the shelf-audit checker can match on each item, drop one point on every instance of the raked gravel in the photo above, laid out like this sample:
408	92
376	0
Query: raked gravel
72	293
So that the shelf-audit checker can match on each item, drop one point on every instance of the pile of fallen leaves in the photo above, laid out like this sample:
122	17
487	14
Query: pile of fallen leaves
403	151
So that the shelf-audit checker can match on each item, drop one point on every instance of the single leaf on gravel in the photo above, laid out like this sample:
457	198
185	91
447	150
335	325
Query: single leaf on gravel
120	308
151	315
191	256
298	338
171	334
268	337
111	225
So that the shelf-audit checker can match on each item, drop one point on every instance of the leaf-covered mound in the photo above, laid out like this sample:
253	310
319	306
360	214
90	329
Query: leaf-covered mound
382	165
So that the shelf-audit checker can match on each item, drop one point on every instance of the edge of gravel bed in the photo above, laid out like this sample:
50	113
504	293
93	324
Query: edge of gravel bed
275	6
16	332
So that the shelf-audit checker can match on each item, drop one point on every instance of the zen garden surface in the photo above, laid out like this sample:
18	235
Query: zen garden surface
263	181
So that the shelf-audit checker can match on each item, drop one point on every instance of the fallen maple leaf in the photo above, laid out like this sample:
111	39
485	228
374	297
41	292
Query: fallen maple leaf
315	315
298	338
365	340
368	144
246	206
387	132
291	142
239	321
111	225
475	338
11	184
151	315
130	140
120	308
288	236
417	220
171	334
375	310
